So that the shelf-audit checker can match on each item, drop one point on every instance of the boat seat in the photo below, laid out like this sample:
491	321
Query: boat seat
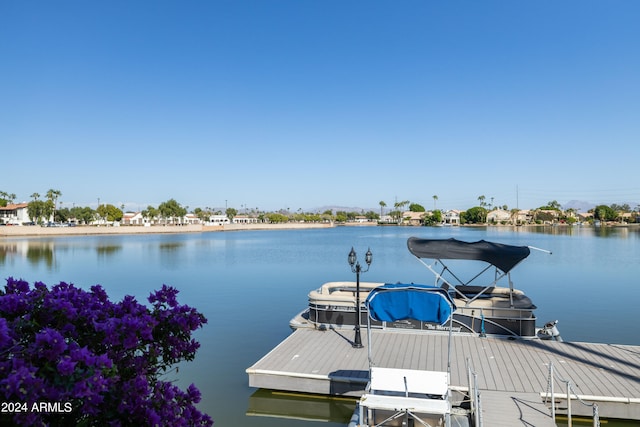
408	382
401	403
467	289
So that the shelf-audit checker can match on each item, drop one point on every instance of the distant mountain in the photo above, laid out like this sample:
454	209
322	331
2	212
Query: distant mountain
578	205
334	209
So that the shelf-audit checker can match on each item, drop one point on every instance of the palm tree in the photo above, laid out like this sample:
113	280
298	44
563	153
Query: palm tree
435	198
382	206
514	215
53	195
6	198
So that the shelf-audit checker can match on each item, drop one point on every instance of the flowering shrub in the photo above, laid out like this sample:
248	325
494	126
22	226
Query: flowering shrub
71	357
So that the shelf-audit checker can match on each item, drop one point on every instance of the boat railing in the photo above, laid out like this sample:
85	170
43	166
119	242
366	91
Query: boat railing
499	312
474	395
570	394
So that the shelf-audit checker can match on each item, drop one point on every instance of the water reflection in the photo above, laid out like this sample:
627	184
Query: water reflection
171	254
578	230
36	252
42	253
170	246
297	406
105	251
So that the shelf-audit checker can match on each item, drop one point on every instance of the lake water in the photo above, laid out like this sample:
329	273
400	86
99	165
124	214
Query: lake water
250	283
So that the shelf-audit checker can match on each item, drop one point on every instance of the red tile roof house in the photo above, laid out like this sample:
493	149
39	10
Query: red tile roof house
14	214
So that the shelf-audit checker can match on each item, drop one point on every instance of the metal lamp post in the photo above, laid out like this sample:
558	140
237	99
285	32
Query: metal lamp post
356	268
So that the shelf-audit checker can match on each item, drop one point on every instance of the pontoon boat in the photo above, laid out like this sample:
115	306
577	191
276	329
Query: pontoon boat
484	308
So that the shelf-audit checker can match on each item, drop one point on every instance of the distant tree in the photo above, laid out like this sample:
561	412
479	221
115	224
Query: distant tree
514	215
276	218
6	198
171	210
433	218
52	196
341	216
327	216
83	215
435	199
475	215
231	213
36	210
544	215
481	199
202	214
395	214
109	212
414	207
621	208
62	215
604	213
551	206
150	213
398	208
382	206
371	215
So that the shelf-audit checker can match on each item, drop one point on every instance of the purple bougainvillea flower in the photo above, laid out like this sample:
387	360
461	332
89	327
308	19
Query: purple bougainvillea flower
66	366
65	344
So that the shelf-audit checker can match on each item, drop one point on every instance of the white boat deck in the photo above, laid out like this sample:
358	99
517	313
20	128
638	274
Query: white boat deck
515	371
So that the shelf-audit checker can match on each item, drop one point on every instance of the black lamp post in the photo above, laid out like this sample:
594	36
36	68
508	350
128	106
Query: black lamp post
355	268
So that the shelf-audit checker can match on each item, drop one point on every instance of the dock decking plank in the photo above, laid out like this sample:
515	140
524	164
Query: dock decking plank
325	362
506	409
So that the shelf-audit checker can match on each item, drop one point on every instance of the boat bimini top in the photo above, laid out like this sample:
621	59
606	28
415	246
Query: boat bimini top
501	256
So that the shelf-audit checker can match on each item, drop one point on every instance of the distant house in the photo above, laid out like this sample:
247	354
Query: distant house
14	214
413	218
133	218
547	216
524	216
361	219
218	220
498	216
451	217
190	219
245	219
387	219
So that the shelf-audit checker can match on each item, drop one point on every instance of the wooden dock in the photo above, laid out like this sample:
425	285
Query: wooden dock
510	372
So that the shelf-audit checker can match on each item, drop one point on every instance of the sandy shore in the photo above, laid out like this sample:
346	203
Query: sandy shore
37	231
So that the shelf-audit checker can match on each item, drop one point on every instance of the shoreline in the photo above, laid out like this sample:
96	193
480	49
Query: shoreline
92	230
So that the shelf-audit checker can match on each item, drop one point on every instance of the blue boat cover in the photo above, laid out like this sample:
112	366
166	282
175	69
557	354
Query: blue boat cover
392	302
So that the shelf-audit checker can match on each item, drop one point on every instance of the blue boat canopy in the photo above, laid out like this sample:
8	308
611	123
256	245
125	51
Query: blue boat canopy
392	302
502	256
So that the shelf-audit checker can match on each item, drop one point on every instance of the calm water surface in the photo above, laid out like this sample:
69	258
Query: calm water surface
249	284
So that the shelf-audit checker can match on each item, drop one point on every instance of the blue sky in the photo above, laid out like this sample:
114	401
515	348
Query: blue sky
303	104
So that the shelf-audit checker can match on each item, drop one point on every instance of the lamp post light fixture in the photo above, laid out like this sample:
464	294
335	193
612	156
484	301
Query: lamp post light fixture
356	268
